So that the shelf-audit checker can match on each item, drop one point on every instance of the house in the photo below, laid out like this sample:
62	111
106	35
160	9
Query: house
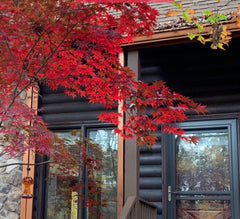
178	179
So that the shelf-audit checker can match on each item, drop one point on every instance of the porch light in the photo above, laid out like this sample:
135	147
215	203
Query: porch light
27	182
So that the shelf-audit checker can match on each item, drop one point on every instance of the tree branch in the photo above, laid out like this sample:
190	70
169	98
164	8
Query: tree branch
57	47
29	164
32	164
19	92
41	67
226	4
34	45
13	58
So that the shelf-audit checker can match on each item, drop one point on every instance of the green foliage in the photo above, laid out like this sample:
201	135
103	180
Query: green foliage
207	12
201	39
222	17
186	17
199	26
219	35
213	19
177	4
191	36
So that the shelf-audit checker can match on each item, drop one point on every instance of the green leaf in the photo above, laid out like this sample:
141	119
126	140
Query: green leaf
222	17
201	39
199	26
178	5
207	12
191	36
220	46
186	17
213	19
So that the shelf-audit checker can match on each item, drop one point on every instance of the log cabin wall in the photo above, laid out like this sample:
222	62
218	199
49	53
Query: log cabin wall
210	77
59	110
150	175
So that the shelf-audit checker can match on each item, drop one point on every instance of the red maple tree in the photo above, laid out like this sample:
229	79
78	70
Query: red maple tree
76	46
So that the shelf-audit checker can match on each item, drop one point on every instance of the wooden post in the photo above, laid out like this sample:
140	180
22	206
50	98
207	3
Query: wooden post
120	171
131	153
29	157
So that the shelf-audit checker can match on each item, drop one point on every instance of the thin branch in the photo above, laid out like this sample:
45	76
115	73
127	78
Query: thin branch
30	51
33	164
15	93
13	58
42	66
58	46
226	4
19	92
35	44
22	164
19	73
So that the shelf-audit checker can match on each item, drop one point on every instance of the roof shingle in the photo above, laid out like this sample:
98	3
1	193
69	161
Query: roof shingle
163	22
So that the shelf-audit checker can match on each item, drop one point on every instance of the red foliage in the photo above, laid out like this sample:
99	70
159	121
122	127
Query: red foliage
76	46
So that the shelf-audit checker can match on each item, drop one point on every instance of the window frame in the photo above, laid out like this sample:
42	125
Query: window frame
40	202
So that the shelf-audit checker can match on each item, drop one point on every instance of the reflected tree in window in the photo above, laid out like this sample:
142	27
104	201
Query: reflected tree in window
106	194
204	166
66	182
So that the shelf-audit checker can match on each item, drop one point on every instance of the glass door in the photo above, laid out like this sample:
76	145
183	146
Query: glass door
202	179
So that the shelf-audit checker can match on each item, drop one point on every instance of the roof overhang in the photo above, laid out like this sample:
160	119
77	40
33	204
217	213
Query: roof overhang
173	36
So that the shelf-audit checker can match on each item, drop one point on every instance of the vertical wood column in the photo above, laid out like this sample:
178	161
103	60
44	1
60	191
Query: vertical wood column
131	152
29	157
120	171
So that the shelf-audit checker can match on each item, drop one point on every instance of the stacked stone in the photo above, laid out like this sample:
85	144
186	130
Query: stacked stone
10	187
10	183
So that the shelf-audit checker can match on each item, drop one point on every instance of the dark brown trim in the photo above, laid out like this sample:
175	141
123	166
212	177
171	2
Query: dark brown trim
173	36
131	153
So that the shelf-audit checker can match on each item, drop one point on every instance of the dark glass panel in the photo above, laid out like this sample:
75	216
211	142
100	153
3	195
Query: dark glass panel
107	177
62	201
205	166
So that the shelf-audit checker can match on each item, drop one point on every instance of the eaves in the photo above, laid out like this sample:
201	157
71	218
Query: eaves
175	35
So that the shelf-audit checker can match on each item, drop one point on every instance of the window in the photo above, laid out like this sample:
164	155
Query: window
108	175
63	203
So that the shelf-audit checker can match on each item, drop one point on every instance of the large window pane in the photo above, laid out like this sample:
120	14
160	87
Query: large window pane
205	166
62	201
107	178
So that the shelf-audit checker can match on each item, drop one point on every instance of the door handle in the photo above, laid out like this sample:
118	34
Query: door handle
169	193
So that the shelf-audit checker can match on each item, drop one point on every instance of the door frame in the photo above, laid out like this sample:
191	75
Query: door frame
168	140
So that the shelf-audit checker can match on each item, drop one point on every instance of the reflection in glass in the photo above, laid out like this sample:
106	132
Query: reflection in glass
205	166
203	209
62	201
107	177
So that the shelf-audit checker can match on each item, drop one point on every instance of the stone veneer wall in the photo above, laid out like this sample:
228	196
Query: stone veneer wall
10	188
10	184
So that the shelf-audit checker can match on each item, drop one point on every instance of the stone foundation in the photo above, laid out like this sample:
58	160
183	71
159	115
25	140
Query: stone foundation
10	183
10	188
